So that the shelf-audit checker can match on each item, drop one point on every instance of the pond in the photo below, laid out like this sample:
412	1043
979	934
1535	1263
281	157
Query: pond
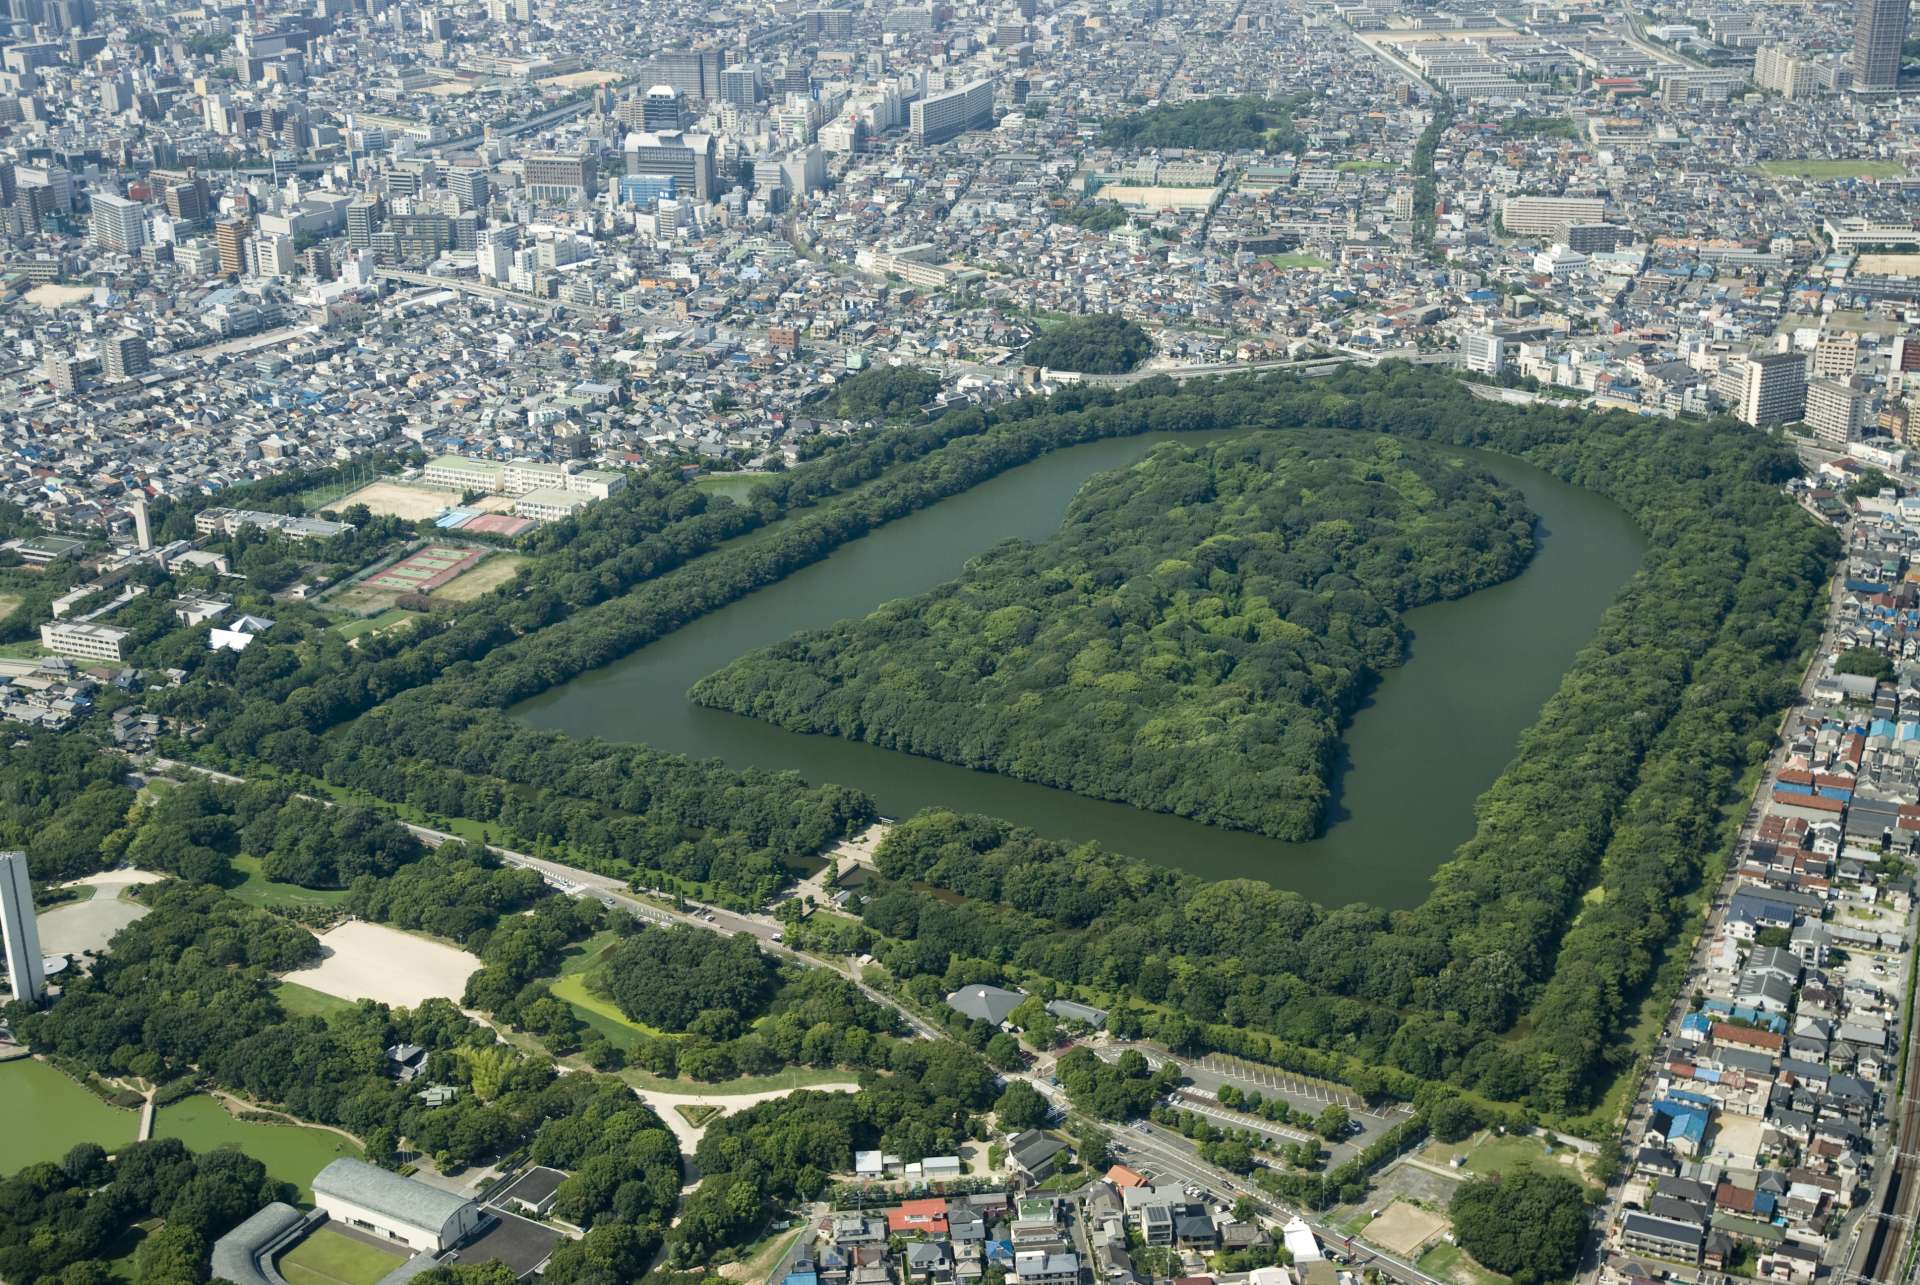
1436	732
46	1112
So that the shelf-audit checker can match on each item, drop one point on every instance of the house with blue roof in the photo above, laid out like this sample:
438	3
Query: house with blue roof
1681	1125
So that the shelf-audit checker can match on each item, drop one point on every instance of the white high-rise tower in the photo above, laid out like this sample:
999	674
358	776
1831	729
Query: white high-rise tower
25	967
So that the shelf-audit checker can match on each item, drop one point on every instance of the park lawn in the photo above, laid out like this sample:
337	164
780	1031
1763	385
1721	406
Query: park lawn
735	486
759	1260
1296	260
258	890
304	1001
603	1015
794	1077
388	619
126	1246
328	1258
1494	1153
696	1115
22	651
1816	169
291	1152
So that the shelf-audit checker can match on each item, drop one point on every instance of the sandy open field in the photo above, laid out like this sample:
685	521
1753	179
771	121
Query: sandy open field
1160	198
450	88
1891	265
398	500
372	961
1403	1228
49	295
582	79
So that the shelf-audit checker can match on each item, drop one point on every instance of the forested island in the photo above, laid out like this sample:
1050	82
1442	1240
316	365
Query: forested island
1101	344
1191	641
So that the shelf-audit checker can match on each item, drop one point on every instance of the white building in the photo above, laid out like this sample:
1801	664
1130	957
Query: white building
1546	215
1485	353
94	642
21	933
424	1219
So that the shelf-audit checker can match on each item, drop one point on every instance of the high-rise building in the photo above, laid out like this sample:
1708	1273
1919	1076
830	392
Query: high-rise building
230	238
363	220
1836	410
1836	356
697	75
663	108
1773	388
740	86
1879	34
275	255
26	969
142	526
471	187
559	177
1547	215
1485	352
119	224
687	158
939	117
124	356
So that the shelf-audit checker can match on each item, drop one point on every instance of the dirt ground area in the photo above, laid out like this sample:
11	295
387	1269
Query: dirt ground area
1160	198
372	961
1402	1228
398	500
50	295
583	79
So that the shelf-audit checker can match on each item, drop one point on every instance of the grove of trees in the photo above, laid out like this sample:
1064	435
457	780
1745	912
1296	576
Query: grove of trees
1100	344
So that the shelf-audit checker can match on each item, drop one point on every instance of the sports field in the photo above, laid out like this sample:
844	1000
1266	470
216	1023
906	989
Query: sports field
1404	1227
398	500
330	1257
483	579
1818	169
427	570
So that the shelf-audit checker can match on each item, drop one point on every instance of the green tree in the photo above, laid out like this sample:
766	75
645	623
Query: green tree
1527	1225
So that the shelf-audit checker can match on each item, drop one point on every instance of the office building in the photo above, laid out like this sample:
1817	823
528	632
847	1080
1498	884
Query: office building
939	117
119	224
740	86
470	187
25	969
696	75
559	178
1773	388
1879	34
1547	215
124	356
687	158
646	190
1836	410
1485	353
663	109
230	238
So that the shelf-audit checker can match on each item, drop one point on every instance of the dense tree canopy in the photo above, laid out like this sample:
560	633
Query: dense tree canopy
1190	641
883	392
671	977
1101	344
1527	1225
1247	123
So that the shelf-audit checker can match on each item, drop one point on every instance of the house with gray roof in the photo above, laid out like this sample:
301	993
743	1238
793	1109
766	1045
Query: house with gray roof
989	1004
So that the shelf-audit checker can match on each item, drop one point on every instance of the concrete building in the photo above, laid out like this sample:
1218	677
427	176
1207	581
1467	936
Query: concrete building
91	642
1485	353
25	969
1836	410
424	1219
1546	215
663	108
119	224
560	178
939	117
1773	388
688	159
1879	33
124	356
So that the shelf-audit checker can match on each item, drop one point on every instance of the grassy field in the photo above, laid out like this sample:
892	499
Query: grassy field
1812	169
794	1077
696	1116
1452	1263
292	1153
1295	260
392	616
1490	1152
483	579
10	603
47	1113
22	651
329	1258
1361	167
735	486
258	890
304	1001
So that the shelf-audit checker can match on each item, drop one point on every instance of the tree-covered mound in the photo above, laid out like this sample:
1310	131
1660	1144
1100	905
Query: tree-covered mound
1190	641
1244	124
884	392
1101	344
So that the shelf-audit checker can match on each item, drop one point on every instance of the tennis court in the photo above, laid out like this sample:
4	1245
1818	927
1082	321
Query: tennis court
426	570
